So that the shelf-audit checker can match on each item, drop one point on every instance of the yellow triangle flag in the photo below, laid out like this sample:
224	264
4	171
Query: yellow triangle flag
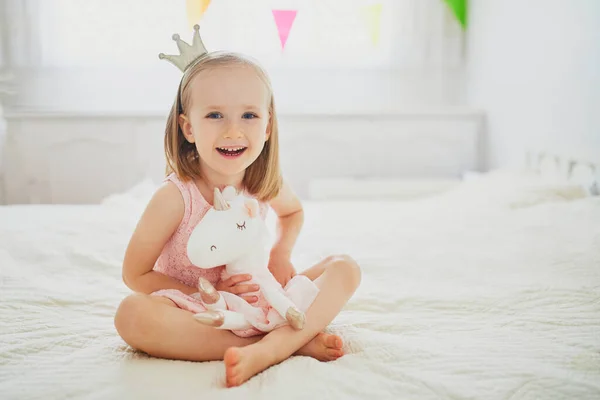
373	19
195	9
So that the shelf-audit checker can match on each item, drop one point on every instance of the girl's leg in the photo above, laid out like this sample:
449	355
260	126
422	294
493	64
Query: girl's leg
156	326
337	277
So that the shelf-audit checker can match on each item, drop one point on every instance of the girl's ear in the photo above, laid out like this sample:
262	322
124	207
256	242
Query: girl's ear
186	128
269	126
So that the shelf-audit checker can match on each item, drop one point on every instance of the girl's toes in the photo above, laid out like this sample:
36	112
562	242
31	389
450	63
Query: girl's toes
334	353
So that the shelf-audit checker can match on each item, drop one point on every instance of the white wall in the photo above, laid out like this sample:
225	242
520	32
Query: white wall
534	67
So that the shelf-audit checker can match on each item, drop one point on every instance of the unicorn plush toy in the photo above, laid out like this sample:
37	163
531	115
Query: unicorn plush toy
232	233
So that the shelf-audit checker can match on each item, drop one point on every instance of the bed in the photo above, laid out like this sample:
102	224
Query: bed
488	291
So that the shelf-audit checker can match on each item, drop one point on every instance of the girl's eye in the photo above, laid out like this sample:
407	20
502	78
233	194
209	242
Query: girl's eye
249	115
214	115
241	226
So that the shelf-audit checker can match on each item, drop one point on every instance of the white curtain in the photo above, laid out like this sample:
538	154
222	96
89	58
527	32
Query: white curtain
116	42
16	47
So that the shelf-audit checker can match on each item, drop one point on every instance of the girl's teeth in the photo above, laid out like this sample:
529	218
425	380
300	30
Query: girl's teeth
232	151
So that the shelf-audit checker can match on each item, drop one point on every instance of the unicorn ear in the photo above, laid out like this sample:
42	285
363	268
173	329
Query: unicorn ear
229	193
219	202
251	207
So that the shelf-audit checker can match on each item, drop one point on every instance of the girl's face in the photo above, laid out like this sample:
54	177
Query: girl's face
228	119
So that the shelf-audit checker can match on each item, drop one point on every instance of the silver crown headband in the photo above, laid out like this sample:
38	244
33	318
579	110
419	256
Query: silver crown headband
188	54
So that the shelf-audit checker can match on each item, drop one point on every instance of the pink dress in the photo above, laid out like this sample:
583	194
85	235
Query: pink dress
174	262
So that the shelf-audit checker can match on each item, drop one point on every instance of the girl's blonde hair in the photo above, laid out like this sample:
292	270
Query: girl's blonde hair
262	178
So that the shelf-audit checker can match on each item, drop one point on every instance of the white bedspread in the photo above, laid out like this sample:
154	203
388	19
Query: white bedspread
462	298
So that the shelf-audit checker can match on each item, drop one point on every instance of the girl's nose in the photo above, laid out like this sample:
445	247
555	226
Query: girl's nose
233	131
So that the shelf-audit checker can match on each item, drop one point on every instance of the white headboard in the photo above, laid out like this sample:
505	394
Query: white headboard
573	168
50	157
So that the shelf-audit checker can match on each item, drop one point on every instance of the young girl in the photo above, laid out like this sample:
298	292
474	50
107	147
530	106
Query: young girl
222	130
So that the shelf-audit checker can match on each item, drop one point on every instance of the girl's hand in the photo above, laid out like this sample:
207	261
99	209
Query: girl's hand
235	284
282	268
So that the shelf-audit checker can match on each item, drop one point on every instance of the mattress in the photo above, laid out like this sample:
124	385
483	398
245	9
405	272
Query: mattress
489	291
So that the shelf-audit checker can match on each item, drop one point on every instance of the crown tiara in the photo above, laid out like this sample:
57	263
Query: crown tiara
187	54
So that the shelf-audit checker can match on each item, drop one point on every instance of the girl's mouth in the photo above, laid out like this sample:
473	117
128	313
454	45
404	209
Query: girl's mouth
231	152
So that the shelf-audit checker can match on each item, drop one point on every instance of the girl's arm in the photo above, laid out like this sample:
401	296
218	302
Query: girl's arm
290	215
158	222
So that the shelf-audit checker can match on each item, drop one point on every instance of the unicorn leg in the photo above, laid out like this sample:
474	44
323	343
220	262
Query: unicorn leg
223	319
284	306
209	296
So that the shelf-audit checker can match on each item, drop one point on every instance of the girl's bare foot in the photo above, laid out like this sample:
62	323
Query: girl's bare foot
242	363
323	347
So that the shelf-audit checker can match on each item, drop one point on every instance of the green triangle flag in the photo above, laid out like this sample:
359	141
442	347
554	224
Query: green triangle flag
373	19
459	8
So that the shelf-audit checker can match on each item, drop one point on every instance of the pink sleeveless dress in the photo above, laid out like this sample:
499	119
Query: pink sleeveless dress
173	260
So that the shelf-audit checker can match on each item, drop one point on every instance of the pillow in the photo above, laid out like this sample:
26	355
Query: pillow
136	197
513	188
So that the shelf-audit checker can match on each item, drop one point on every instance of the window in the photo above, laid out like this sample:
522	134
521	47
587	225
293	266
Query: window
356	54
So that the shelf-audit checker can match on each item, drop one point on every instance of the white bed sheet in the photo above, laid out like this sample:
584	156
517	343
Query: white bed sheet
461	298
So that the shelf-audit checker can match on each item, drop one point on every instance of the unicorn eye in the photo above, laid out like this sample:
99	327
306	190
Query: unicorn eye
213	248
241	226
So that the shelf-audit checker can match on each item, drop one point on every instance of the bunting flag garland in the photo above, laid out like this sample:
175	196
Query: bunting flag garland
284	19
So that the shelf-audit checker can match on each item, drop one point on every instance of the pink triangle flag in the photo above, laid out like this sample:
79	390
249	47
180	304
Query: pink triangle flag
284	20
